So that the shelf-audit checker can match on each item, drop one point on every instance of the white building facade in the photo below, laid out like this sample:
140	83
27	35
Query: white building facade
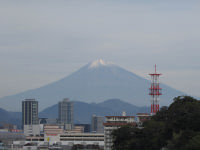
66	114
113	123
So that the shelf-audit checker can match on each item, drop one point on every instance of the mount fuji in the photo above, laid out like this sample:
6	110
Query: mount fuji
93	83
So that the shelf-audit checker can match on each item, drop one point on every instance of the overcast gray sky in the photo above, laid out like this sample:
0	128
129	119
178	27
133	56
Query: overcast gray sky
42	41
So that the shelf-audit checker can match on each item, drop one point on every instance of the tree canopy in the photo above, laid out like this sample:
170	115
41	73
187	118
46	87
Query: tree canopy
176	127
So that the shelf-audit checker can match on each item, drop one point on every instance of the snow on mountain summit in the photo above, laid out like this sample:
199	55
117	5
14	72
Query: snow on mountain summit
93	83
99	62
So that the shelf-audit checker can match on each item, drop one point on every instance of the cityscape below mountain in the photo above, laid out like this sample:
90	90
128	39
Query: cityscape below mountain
82	111
90	103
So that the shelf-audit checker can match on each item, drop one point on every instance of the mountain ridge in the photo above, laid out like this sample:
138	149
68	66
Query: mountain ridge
82	111
104	81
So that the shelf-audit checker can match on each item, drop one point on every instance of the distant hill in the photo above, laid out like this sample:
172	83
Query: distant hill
93	83
118	106
82	111
10	117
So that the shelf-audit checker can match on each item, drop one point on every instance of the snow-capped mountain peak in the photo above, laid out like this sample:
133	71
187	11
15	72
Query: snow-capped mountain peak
99	62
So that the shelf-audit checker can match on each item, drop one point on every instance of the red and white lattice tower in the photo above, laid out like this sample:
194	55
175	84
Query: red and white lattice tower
155	92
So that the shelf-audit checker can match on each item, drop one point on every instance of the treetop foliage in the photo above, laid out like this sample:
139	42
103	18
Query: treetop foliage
176	127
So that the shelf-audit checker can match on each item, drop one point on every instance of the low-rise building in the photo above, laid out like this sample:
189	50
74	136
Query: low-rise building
52	133
32	130
82	138
142	117
54	140
77	129
7	139
113	123
85	126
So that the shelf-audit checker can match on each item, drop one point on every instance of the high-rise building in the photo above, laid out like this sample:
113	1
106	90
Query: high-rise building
30	117
29	112
66	114
97	124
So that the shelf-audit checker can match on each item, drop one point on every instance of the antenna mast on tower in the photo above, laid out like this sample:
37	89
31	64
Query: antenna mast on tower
155	92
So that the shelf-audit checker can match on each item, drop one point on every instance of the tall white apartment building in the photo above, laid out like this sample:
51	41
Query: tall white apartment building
66	114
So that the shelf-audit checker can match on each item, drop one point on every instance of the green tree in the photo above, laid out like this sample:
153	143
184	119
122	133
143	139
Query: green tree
183	114
125	137
154	133
176	128
194	143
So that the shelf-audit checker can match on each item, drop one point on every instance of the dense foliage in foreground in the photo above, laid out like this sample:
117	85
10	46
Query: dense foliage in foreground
174	128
